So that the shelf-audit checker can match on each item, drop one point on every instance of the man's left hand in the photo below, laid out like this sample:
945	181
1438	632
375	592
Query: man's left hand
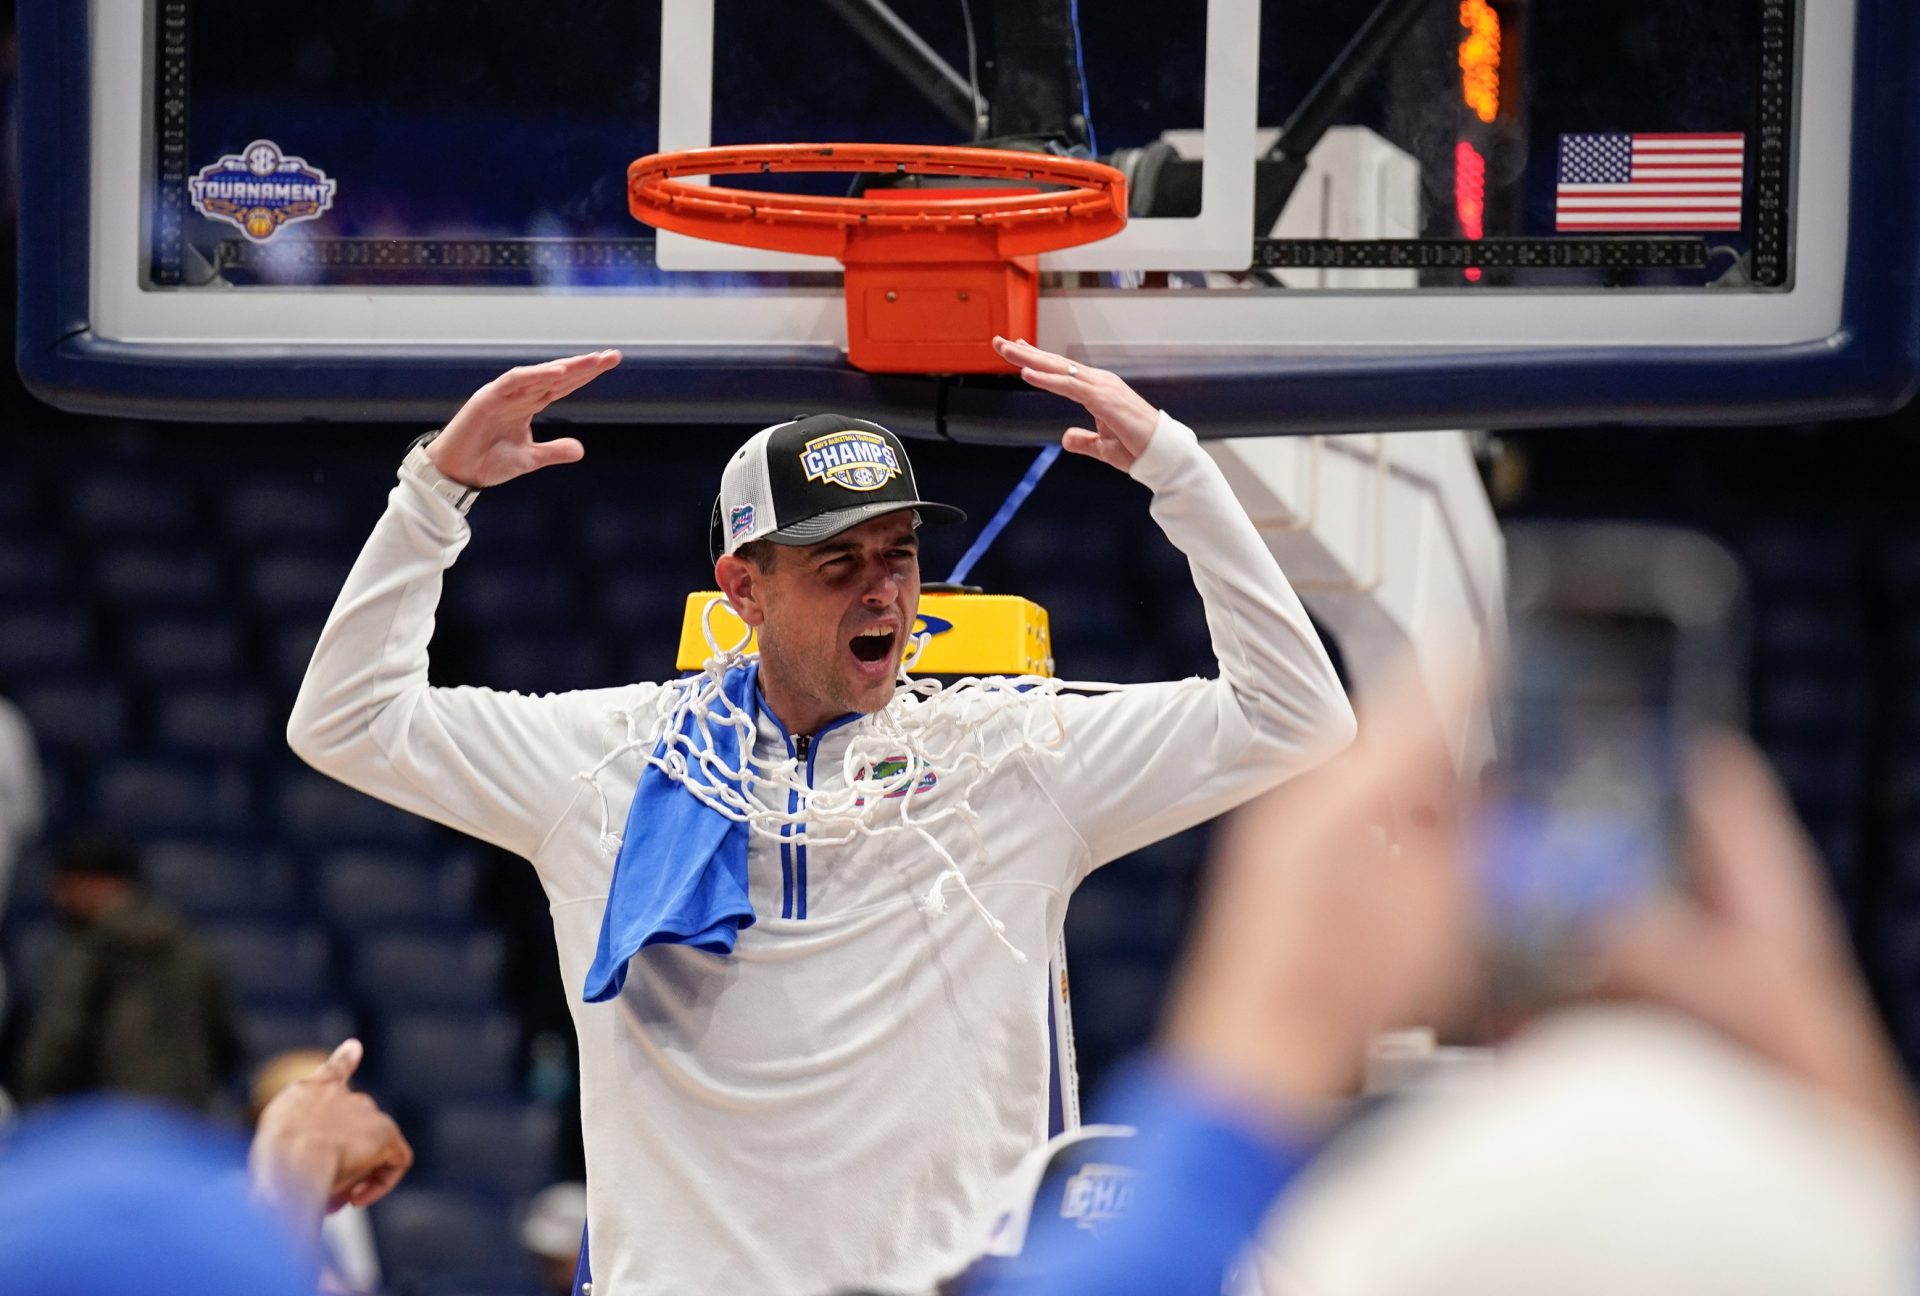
1123	422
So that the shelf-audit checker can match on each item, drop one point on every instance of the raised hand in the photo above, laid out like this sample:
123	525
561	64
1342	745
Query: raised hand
1757	951
491	439
1123	422
321	1146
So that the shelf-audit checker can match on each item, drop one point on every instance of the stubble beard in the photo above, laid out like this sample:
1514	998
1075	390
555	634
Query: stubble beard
821	683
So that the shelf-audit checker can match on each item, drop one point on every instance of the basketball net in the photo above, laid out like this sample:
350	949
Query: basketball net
953	736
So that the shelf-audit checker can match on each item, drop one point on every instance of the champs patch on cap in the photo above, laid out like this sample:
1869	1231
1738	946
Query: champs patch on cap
810	478
855	460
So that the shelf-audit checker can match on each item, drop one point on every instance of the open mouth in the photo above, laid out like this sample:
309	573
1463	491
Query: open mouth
873	645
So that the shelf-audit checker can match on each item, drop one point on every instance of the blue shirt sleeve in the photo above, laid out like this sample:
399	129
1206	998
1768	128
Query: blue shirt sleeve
1207	1176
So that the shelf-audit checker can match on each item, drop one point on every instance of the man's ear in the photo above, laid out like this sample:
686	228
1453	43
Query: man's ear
739	580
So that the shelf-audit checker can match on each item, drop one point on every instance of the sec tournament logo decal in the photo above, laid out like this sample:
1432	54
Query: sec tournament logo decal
860	461
261	190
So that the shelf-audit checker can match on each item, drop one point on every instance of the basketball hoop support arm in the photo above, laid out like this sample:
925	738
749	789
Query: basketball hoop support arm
937	80
1286	161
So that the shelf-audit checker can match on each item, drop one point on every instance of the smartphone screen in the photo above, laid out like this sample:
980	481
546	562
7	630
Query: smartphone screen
1625	643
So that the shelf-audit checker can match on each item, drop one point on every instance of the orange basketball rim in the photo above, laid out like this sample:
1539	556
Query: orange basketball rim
931	275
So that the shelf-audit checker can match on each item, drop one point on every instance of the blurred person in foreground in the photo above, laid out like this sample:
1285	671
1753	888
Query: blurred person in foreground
133	1001
121	1197
22	816
1734	1120
22	808
349	1262
22	794
550	1231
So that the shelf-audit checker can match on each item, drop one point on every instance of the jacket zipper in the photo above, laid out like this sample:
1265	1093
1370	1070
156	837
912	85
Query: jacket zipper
794	857
787	850
802	748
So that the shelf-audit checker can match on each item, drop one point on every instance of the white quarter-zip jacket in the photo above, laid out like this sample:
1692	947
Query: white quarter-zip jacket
834	1104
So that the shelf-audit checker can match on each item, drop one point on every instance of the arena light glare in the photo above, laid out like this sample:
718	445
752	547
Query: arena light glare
1470	195
1480	58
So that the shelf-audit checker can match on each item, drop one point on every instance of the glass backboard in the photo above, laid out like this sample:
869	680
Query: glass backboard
1345	213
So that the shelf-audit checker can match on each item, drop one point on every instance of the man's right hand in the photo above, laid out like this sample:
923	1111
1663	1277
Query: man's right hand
490	440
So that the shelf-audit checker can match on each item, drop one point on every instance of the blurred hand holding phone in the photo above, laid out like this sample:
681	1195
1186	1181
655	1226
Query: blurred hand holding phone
1611	854
1627	644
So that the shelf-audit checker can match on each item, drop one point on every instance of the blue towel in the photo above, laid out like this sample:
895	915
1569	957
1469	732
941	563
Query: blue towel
681	875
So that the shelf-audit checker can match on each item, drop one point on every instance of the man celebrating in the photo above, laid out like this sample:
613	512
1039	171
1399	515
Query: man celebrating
795	1075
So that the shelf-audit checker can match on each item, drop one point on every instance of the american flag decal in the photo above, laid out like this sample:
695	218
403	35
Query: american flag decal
1627	183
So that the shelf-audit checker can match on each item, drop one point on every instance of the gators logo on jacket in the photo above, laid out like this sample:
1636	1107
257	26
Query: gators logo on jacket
892	767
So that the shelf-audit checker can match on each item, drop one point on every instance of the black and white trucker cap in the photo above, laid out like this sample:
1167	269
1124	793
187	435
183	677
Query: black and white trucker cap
802	482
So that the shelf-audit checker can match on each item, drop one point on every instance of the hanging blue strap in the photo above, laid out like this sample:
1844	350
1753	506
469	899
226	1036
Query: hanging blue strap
998	522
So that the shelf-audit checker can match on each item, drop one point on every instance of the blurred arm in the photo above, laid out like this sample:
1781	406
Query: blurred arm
1757	949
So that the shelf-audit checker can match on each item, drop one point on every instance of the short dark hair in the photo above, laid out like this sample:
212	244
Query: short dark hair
97	855
758	552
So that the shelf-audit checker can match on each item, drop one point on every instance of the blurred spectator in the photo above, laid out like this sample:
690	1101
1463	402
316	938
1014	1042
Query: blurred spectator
22	805
551	1230
349	1262
1612	1149
105	1197
1330	921
133	1001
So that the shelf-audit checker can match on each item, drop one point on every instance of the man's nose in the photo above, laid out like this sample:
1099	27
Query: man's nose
883	587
